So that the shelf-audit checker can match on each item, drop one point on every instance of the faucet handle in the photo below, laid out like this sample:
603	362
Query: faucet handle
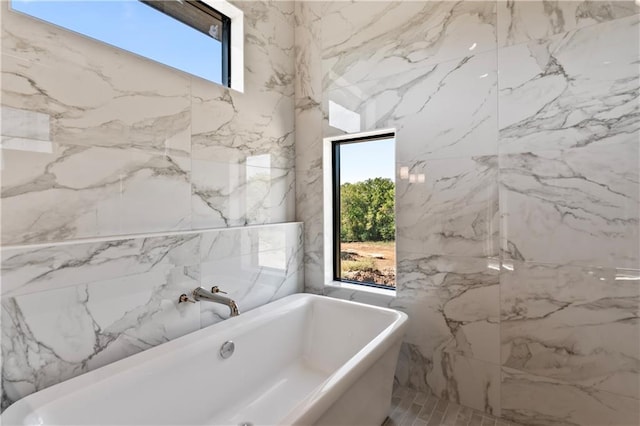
216	289
184	298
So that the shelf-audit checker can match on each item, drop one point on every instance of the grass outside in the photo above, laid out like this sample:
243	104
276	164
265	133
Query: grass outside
371	261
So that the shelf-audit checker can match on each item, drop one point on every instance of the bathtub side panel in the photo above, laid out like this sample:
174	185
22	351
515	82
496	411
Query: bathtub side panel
368	400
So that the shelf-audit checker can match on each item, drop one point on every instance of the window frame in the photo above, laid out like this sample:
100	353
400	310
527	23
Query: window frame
336	207
225	25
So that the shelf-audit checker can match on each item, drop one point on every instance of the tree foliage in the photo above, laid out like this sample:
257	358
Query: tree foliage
367	210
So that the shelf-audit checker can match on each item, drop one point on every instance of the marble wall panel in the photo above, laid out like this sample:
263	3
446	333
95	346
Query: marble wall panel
451	347
521	21
539	401
466	381
540	100
308	137
578	206
125	131
77	191
120	299
234	194
449	207
102	143
95	95
453	303
572	90
32	269
442	110
572	324
364	41
69	308
255	265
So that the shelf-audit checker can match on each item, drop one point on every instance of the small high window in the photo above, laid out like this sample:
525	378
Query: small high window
184	34
364	227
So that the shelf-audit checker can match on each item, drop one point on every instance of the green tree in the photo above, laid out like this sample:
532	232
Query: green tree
367	210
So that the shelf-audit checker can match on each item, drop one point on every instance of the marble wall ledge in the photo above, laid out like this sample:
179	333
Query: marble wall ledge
31	269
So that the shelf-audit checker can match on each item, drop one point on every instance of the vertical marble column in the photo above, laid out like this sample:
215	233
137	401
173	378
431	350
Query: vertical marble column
308	137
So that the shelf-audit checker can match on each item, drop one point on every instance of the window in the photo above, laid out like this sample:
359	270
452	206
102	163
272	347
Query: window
363	184
188	35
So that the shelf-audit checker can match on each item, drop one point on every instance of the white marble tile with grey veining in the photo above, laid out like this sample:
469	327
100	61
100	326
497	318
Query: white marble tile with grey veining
458	298
310	205
521	21
46	267
91	304
576	207
232	127
253	279
229	126
413	368
232	194
575	89
82	191
308	139
308	50
534	400
93	93
419	105
224	243
448	207
572	324
48	337
118	129
465	381
25	129
268	46
72	307
368	295
365	41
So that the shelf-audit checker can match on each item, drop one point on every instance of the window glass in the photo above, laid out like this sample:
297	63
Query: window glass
150	31
364	220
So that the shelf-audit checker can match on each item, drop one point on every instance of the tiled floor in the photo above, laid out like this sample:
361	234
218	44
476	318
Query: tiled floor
411	408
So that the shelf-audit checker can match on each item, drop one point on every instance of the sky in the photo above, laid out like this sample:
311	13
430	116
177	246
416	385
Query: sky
366	160
136	27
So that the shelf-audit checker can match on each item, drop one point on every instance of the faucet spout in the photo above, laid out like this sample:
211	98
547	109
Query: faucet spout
201	293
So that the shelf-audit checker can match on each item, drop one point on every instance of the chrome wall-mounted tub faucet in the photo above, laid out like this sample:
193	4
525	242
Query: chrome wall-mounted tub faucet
201	293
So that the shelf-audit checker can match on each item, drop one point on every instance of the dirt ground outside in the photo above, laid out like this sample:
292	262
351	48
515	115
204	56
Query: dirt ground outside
372	261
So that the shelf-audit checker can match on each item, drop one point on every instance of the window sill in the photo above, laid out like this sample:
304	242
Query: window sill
365	290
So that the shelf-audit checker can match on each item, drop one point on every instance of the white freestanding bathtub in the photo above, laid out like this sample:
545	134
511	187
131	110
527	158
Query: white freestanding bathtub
303	360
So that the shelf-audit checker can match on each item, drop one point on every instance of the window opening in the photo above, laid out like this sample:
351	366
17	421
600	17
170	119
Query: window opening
364	227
